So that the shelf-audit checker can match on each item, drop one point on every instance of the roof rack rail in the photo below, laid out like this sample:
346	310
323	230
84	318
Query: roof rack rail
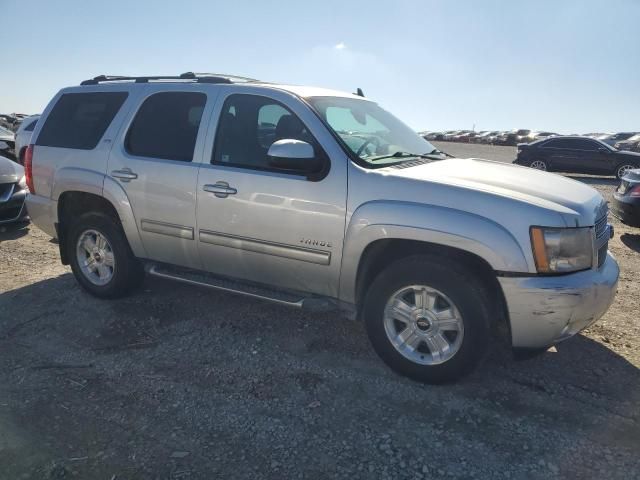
197	77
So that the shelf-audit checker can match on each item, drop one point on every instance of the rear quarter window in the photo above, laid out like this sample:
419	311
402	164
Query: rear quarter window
79	120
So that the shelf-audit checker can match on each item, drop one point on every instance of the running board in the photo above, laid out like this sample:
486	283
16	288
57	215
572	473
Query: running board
204	279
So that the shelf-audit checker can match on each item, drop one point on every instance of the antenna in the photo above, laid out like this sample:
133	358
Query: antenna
359	92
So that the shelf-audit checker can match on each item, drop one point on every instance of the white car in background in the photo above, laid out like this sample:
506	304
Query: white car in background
23	136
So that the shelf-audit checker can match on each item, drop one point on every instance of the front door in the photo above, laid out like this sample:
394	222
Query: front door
265	224
153	160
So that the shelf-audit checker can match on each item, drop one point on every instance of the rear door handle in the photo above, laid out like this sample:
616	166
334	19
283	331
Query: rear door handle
220	189
125	174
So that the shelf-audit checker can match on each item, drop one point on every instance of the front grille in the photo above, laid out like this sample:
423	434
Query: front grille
601	226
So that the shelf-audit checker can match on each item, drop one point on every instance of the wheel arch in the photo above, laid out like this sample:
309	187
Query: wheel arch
112	201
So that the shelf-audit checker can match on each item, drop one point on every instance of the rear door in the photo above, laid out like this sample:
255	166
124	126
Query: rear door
261	223
153	161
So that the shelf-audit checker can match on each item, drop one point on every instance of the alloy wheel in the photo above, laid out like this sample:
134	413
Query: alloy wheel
95	257
423	325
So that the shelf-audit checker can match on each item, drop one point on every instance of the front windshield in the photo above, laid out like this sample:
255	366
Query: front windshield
370	132
4	131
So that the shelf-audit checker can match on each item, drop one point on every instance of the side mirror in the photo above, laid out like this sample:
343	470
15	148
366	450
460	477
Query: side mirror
4	146
296	155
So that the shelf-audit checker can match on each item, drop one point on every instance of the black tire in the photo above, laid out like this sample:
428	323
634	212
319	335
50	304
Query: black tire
128	272
460	286
620	165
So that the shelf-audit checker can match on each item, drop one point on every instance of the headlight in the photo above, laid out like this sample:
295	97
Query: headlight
23	183
562	250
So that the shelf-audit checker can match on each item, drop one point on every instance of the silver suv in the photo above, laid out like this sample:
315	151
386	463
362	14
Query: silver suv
317	199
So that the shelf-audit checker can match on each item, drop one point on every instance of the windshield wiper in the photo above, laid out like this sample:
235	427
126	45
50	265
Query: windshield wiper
396	155
435	151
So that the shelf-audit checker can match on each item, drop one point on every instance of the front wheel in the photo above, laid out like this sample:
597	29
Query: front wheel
428	318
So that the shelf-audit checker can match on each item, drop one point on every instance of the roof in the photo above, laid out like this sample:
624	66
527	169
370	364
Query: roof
218	78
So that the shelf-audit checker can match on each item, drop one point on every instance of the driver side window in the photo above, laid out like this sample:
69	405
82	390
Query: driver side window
249	125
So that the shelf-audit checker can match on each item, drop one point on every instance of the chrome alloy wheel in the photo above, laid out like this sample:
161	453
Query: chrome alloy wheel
423	325
95	257
538	165
624	169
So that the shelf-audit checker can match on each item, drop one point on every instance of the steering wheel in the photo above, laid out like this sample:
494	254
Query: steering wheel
368	141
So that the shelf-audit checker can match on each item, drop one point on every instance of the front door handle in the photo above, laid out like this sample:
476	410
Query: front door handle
125	174
220	189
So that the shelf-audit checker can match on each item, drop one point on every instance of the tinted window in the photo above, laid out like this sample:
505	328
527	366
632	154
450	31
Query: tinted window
248	125
79	120
580	144
166	126
31	126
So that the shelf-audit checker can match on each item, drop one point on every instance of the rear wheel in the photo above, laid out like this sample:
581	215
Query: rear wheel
538	164
428	319
623	168
101	258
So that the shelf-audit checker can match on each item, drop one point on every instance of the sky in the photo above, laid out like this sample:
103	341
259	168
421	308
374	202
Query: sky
570	66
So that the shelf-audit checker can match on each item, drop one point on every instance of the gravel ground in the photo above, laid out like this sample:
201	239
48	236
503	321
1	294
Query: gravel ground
186	383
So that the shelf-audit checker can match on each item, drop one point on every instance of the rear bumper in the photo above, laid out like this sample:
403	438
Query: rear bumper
626	209
43	212
547	310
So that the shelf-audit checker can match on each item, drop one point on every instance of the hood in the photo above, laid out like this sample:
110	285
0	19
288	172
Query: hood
10	171
577	202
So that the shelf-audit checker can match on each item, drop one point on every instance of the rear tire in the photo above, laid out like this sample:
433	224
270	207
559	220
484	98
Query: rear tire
538	165
101	258
457	311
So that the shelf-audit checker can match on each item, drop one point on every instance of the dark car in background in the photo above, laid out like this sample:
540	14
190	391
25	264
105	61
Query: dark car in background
626	199
514	137
613	138
632	144
13	191
576	155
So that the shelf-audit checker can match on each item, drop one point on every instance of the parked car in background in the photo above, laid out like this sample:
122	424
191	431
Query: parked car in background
533	136
451	135
13	191
631	144
23	136
576	154
483	137
7	143
464	137
626	199
433	136
513	138
613	138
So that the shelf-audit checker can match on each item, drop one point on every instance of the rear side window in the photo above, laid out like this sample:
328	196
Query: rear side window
31	126
79	120
166	126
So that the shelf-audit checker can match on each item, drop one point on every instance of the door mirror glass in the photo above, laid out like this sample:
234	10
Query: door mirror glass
291	154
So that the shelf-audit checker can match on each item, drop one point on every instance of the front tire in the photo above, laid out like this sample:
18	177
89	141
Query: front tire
101	258
428	318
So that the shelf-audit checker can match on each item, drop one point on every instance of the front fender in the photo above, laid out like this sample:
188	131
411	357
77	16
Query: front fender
426	223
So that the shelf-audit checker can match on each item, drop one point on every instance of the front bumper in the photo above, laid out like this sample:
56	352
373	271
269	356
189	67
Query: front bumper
547	310
626	209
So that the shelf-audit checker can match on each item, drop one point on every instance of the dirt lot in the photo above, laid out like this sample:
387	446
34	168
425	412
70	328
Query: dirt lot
178	382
